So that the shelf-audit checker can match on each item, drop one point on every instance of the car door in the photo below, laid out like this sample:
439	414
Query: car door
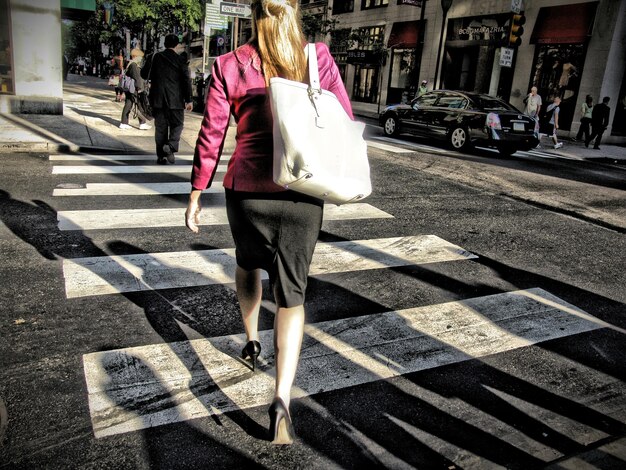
446	114
416	120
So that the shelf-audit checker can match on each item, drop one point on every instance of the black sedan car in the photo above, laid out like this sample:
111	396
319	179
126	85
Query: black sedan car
463	119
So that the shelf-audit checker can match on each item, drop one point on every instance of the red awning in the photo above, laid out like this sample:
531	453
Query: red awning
565	24
404	34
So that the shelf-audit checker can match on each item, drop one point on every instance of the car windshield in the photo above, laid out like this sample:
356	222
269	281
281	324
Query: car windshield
492	104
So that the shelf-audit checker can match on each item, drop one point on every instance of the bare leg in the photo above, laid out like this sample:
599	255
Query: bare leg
249	295
288	332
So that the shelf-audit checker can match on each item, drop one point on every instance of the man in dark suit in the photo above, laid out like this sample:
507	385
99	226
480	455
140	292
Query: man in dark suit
599	122
170	96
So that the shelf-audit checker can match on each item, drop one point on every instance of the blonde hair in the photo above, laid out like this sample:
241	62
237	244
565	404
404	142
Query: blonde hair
277	32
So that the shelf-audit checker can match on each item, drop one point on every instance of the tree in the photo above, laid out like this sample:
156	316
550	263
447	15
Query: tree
317	24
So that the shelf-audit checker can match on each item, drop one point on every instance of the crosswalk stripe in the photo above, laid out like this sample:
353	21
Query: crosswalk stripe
141	387
124	169
131	189
122	157
145	218
131	273
388	148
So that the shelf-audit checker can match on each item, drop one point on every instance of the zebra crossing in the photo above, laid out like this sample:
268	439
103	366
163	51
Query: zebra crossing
151	385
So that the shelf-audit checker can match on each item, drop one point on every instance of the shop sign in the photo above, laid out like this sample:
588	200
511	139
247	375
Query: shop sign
415	3
362	57
506	56
491	29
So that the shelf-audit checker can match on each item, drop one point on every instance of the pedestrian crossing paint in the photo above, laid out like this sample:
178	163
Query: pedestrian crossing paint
145	218
388	148
147	386
130	273
132	189
122	157
124	169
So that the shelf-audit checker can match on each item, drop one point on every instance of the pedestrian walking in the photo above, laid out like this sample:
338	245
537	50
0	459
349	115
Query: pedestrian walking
585	118
599	122
133	70
274	229
533	104
423	88
170	97
117	63
552	115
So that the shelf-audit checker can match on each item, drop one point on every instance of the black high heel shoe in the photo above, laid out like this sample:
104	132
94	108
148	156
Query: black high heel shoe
281	429
251	351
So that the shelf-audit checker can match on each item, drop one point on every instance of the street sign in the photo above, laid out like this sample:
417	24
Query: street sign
213	19
506	56
516	6
235	9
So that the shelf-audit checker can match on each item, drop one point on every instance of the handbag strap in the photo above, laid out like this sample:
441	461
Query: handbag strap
314	75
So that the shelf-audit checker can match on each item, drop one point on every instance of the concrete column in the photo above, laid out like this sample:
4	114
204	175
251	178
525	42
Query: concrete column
37	58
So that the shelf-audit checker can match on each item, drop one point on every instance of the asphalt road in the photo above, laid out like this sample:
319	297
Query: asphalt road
490	333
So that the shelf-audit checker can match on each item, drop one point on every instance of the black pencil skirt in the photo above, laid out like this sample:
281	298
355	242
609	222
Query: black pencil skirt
276	232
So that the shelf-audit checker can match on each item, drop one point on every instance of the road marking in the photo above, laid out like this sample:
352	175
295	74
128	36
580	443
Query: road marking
124	169
127	157
137	388
132	189
144	218
414	146
131	273
388	148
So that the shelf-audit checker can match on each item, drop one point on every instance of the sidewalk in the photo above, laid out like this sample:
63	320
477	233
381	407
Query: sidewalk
91	118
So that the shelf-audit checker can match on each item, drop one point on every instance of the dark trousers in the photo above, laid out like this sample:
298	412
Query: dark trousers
596	133
168	127
583	129
128	106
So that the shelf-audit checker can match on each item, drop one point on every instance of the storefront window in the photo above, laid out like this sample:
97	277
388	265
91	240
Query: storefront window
556	72
401	81
6	62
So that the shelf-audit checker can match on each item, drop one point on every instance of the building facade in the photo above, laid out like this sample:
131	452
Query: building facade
569	49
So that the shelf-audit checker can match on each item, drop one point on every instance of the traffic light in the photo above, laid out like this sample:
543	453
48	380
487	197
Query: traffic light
517	29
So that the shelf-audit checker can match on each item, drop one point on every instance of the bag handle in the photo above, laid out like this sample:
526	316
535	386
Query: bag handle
314	75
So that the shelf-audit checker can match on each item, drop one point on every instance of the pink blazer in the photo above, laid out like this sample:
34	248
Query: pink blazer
238	87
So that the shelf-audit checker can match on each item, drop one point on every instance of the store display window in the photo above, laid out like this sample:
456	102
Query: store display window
6	61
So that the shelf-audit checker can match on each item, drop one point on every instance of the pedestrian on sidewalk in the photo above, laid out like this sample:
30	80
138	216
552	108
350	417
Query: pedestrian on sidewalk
170	97
132	97
585	118
274	229
533	104
117	62
552	116
423	88
599	122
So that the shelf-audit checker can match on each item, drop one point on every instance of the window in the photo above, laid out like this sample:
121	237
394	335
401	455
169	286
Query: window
427	99
370	37
452	101
343	6
6	63
367	4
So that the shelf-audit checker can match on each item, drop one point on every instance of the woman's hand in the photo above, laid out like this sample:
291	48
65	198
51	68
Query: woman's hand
192	214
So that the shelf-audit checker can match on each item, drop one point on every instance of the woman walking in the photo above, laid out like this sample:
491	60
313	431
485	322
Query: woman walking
133	71
585	118
274	229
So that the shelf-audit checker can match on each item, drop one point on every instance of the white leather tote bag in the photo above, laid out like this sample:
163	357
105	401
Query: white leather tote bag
318	149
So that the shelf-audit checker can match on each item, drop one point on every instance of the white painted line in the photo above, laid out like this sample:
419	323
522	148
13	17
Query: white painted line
130	273
413	145
388	148
144	218
123	169
141	387
131	189
129	157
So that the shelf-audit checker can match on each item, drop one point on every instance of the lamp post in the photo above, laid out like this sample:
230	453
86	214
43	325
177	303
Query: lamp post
445	6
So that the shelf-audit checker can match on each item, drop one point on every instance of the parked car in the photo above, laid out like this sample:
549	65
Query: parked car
463	119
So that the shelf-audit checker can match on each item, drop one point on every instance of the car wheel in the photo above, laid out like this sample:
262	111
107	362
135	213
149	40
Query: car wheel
390	126
459	139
